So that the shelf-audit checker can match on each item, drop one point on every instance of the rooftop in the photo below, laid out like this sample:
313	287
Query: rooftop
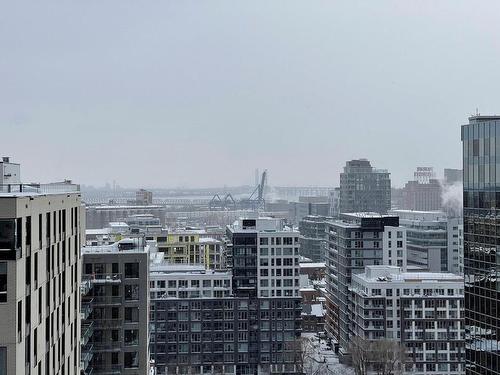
395	274
126	245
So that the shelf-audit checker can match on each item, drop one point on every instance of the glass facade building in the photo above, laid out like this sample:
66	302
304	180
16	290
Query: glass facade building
481	196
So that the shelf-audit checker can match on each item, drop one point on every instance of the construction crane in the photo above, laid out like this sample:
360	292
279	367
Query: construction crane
256	200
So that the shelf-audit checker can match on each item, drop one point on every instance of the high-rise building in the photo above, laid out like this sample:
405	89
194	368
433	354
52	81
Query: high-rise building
354	242
423	311
481	192
41	232
115	308
197	326
434	240
313	237
364	188
245	319
265	270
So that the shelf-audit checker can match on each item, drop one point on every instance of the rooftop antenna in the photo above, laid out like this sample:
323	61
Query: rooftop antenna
477	111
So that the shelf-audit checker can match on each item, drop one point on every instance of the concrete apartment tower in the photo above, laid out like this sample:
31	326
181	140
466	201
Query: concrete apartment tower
41	232
354	242
364	188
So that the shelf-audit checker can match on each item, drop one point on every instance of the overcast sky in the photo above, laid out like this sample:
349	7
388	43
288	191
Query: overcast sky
200	93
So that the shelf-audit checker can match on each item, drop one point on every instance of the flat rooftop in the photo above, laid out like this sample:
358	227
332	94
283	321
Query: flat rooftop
388	274
126	245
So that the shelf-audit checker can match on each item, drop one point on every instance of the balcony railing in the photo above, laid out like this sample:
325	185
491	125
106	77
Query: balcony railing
85	287
104	278
106	300
86	357
107	346
87	331
86	309
108	323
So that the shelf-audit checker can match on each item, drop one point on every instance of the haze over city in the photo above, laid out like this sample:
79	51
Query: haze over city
194	94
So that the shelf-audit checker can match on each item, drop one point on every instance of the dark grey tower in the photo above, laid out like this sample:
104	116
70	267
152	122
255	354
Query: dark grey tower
481	166
364	188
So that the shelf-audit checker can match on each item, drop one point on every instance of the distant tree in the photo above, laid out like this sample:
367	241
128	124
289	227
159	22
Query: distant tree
388	357
360	355
308	361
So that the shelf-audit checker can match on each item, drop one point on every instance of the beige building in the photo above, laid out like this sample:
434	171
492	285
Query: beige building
41	232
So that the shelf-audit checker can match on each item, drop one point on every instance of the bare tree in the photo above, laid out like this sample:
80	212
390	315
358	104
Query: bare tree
360	355
388	357
307	360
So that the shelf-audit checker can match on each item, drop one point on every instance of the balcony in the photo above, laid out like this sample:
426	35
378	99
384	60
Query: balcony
107	278
85	287
106	300
115	346
86	309
86	357
86	334
108	323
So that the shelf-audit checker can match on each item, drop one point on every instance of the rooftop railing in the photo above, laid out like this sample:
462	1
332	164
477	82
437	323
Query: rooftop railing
52	188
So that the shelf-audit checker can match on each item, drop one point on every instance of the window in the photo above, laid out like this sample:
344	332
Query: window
3	282
400	244
131	270
131	337
131	359
7	234
131	292
131	314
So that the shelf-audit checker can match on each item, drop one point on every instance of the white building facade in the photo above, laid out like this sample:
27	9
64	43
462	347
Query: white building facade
423	311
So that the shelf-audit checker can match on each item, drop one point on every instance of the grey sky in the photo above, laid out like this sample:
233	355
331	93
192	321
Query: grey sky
200	93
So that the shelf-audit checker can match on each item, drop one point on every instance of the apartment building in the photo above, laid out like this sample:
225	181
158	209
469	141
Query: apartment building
435	241
265	269
115	308
424	311
356	241
243	320
313	237
41	232
194	320
364	188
